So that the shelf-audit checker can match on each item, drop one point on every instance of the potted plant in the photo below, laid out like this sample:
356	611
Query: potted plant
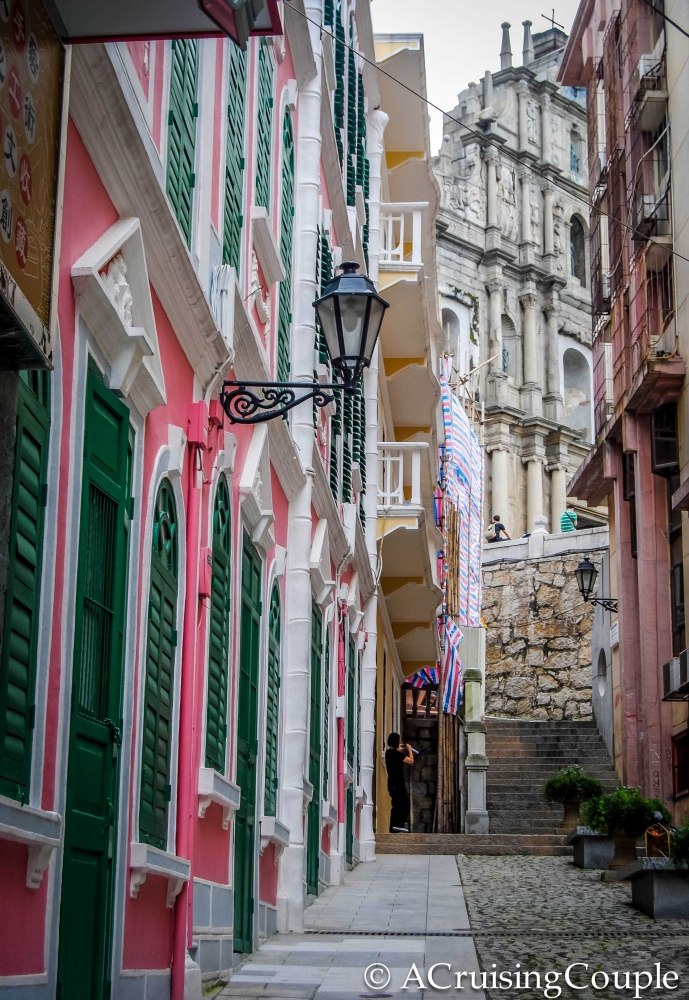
571	787
624	815
660	885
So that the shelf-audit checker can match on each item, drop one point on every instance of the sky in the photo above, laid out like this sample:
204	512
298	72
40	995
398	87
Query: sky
462	39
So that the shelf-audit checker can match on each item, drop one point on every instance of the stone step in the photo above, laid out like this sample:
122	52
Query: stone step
534	725
487	844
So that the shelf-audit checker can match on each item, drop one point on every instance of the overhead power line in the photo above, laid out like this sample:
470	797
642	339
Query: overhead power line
669	20
485	139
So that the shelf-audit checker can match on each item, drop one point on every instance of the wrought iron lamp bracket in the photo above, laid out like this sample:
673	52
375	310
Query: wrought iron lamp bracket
244	406
609	603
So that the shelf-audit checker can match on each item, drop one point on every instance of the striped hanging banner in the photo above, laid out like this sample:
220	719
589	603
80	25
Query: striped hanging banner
453	692
424	677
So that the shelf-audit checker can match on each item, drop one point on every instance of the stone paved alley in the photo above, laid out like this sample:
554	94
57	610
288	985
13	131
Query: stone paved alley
540	912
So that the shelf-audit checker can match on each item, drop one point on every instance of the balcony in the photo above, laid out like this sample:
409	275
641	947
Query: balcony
399	473
400	235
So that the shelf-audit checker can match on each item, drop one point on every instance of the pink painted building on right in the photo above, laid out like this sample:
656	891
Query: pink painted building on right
630	58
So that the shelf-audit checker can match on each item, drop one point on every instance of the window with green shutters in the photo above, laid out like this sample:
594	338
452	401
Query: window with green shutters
351	118
326	717
328	12
160	661
335	441
20	635
348	421
219	639
273	705
181	141
351	703
315	748
362	164
359	440
264	124
234	156
286	239
340	84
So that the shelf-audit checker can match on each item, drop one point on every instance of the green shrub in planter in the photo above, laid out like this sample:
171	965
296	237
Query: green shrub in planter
624	811
679	846
572	785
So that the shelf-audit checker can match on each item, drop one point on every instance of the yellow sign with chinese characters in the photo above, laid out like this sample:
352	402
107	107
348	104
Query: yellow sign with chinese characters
31	75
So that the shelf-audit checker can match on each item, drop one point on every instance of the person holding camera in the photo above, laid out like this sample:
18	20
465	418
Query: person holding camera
396	756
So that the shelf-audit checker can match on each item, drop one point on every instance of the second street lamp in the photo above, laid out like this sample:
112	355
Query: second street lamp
350	313
587	574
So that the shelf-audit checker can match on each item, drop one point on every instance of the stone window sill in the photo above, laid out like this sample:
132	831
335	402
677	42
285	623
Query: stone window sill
39	829
213	787
146	860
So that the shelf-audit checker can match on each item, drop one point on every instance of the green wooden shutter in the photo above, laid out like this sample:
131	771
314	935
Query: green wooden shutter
362	163
339	99
182	116
335	436
160	663
273	705
234	167
286	237
351	704
219	639
264	125
324	273
351	118
315	736
348	408
328	13
326	717
18	662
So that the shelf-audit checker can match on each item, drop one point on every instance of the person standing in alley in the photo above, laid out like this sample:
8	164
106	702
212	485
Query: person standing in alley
396	756
568	520
496	531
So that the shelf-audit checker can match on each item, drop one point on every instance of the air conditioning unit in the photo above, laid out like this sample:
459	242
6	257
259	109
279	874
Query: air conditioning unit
676	678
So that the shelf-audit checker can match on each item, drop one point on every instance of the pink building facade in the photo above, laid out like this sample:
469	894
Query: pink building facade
188	752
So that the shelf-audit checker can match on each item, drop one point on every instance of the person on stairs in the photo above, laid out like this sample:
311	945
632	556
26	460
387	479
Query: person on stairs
396	756
496	530
568	519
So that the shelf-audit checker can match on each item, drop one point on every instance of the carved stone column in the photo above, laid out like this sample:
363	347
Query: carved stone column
530	303
534	489
554	408
492	187
549	236
499	484
523	96
526	208
558	495
546	149
495	325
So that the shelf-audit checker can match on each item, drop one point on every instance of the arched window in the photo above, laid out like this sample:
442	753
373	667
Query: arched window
577	250
181	137
264	124
219	640
234	167
577	378
602	672
286	234
270	797
160	660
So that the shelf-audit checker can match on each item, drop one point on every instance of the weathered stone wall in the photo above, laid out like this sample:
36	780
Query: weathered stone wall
538	643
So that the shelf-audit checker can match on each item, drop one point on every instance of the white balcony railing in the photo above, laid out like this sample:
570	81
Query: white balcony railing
400	234
399	464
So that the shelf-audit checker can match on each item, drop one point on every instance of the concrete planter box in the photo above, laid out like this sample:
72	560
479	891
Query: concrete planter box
659	888
591	850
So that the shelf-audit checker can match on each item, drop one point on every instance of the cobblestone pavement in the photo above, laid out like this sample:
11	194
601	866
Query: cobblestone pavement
396	911
546	914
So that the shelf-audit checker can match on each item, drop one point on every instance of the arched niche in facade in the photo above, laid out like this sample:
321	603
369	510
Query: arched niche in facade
452	330
577	385
577	250
510	348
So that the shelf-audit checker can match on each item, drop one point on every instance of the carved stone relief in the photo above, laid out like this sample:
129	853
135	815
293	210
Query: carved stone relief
508	216
117	288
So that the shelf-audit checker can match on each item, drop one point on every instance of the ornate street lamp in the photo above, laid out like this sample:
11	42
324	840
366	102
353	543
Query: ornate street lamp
587	574
350	313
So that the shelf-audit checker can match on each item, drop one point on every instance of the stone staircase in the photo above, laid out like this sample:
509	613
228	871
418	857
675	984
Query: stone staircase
522	756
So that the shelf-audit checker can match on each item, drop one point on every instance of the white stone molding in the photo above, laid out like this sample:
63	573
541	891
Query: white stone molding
177	449
266	246
279	561
255	489
213	787
322	585
274	832
222	296
226	457
307	789
301	49
146	860
39	828
114	297
355	615
360	795
328	813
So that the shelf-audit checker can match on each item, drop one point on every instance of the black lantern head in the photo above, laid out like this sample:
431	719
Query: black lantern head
350	313
586	574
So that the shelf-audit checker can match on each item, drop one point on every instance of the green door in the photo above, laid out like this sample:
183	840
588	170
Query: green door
247	748
313	845
351	740
95	722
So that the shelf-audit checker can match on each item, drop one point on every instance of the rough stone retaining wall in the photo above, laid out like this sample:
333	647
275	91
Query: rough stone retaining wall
538	646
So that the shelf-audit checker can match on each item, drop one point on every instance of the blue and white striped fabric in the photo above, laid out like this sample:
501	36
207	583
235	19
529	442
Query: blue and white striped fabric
463	469
453	692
